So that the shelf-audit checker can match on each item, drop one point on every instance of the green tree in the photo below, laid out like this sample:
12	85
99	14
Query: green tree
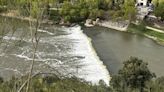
3	2
129	9
105	4
134	75
117	83
84	13
159	10
156	85
50	83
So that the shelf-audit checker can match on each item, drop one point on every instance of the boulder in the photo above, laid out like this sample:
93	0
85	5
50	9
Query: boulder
89	23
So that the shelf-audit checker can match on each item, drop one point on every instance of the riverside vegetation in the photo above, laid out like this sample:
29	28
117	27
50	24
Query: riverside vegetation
142	30
74	10
80	10
133	77
77	11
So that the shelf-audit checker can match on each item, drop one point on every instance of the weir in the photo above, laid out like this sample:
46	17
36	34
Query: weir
64	49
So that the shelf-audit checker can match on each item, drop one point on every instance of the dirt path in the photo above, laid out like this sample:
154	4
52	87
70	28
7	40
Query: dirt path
155	29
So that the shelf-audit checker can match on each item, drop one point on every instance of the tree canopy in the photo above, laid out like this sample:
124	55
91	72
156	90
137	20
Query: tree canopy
134	74
159	10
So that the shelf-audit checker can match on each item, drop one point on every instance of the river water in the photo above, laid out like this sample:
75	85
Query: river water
64	50
67	50
114	47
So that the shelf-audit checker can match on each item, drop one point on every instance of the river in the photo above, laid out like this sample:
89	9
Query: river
61	50
114	47
67	50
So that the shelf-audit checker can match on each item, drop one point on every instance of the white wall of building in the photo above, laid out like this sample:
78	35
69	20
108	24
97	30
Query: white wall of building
144	2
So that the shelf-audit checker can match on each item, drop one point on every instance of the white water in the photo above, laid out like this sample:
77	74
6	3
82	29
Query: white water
44	31
94	69
75	46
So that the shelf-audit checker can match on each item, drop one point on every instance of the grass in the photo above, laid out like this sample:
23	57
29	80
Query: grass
155	34
140	29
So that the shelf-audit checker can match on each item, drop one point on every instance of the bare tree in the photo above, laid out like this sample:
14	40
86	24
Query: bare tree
36	9
34	36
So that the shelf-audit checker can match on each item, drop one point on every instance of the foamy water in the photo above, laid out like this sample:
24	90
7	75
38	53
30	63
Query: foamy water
69	50
94	70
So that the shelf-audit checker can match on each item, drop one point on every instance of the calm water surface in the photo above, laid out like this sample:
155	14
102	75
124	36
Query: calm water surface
114	47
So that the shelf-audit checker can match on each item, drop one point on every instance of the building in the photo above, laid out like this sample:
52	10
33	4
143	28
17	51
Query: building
144	8
143	2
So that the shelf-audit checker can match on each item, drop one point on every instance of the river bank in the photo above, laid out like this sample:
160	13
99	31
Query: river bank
14	14
150	32
123	26
117	25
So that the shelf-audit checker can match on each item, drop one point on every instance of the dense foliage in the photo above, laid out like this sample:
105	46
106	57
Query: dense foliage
159	10
53	84
79	10
133	77
155	86
74	10
93	9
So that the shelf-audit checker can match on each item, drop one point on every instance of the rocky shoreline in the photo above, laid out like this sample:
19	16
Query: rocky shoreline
117	25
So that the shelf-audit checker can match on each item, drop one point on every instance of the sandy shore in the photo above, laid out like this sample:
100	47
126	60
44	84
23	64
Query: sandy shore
120	26
155	29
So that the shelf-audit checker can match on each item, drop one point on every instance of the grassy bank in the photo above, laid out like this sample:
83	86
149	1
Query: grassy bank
142	30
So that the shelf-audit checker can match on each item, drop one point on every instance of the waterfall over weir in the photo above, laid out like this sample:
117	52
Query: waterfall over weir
63	49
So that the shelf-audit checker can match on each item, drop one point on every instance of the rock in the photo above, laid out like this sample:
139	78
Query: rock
61	22
73	24
97	20
89	23
94	22
50	22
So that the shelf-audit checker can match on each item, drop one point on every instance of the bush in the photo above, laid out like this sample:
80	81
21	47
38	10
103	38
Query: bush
155	85
54	15
53	84
3	9
142	27
159	10
23	8
133	75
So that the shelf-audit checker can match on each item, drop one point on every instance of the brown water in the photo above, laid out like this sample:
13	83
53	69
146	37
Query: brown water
114	47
